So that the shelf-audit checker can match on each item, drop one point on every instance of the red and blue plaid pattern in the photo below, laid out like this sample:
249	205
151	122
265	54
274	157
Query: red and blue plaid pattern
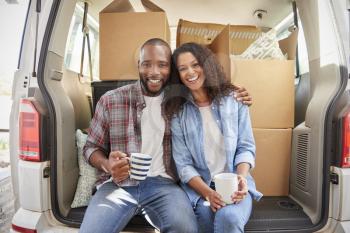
116	126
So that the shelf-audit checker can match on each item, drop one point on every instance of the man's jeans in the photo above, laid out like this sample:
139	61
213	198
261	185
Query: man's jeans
163	203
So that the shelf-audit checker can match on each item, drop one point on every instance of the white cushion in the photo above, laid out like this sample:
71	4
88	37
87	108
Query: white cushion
87	175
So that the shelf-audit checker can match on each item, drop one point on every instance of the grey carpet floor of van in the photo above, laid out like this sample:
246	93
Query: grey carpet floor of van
274	213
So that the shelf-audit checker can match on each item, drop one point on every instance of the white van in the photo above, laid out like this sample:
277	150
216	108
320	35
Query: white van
51	101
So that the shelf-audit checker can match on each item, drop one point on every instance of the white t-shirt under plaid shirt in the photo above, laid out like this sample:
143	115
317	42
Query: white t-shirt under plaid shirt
152	131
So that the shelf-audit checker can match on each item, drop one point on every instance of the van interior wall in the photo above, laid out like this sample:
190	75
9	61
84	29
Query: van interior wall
302	98
308	137
56	77
79	91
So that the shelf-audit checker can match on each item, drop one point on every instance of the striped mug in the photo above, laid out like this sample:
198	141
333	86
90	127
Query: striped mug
139	165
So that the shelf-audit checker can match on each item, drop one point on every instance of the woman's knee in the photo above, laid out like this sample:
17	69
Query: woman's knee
230	218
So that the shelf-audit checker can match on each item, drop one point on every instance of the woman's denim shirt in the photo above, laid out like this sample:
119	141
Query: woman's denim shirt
233	120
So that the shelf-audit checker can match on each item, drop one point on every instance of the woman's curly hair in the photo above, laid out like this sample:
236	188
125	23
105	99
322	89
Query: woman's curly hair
216	83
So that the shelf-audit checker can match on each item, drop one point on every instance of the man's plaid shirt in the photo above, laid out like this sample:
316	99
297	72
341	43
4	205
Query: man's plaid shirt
116	126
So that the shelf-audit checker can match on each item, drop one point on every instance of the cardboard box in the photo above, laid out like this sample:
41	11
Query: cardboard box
271	85
272	168
122	32
270	82
241	36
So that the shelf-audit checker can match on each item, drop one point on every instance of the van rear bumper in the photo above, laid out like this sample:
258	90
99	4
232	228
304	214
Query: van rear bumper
334	226
340	198
39	221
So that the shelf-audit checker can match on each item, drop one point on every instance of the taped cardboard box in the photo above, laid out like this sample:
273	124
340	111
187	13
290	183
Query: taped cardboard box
122	32
270	82
271	85
272	163
241	36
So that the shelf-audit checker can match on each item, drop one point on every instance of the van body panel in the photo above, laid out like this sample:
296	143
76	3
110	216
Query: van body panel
30	219
23	79
341	197
336	227
34	193
343	227
40	221
325	58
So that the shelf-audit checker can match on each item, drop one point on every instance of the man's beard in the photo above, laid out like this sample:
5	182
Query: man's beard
148	92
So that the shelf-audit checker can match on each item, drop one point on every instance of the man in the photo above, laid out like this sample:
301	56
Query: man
131	119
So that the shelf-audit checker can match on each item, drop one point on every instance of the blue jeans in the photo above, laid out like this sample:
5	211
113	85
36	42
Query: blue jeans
161	201
229	219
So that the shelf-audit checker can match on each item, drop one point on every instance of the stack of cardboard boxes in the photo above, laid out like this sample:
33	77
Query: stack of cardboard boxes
270	82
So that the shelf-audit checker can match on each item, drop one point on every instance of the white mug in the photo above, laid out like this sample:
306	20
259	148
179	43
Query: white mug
139	165
226	184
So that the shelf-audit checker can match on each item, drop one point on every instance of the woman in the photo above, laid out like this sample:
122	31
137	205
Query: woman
211	134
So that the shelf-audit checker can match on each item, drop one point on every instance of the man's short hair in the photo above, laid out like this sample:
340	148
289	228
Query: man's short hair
156	41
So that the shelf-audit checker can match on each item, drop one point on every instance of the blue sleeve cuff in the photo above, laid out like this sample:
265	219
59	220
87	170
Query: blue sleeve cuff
187	173
245	157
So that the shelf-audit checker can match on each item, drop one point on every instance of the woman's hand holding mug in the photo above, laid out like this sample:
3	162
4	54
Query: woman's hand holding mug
242	190
215	200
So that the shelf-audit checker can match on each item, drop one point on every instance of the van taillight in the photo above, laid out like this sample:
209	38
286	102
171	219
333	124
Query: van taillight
345	160
29	131
22	229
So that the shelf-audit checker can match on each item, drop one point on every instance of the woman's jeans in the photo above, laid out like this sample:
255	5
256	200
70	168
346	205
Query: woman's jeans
228	219
161	201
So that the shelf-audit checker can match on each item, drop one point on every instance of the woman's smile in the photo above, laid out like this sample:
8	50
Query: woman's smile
193	79
191	73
